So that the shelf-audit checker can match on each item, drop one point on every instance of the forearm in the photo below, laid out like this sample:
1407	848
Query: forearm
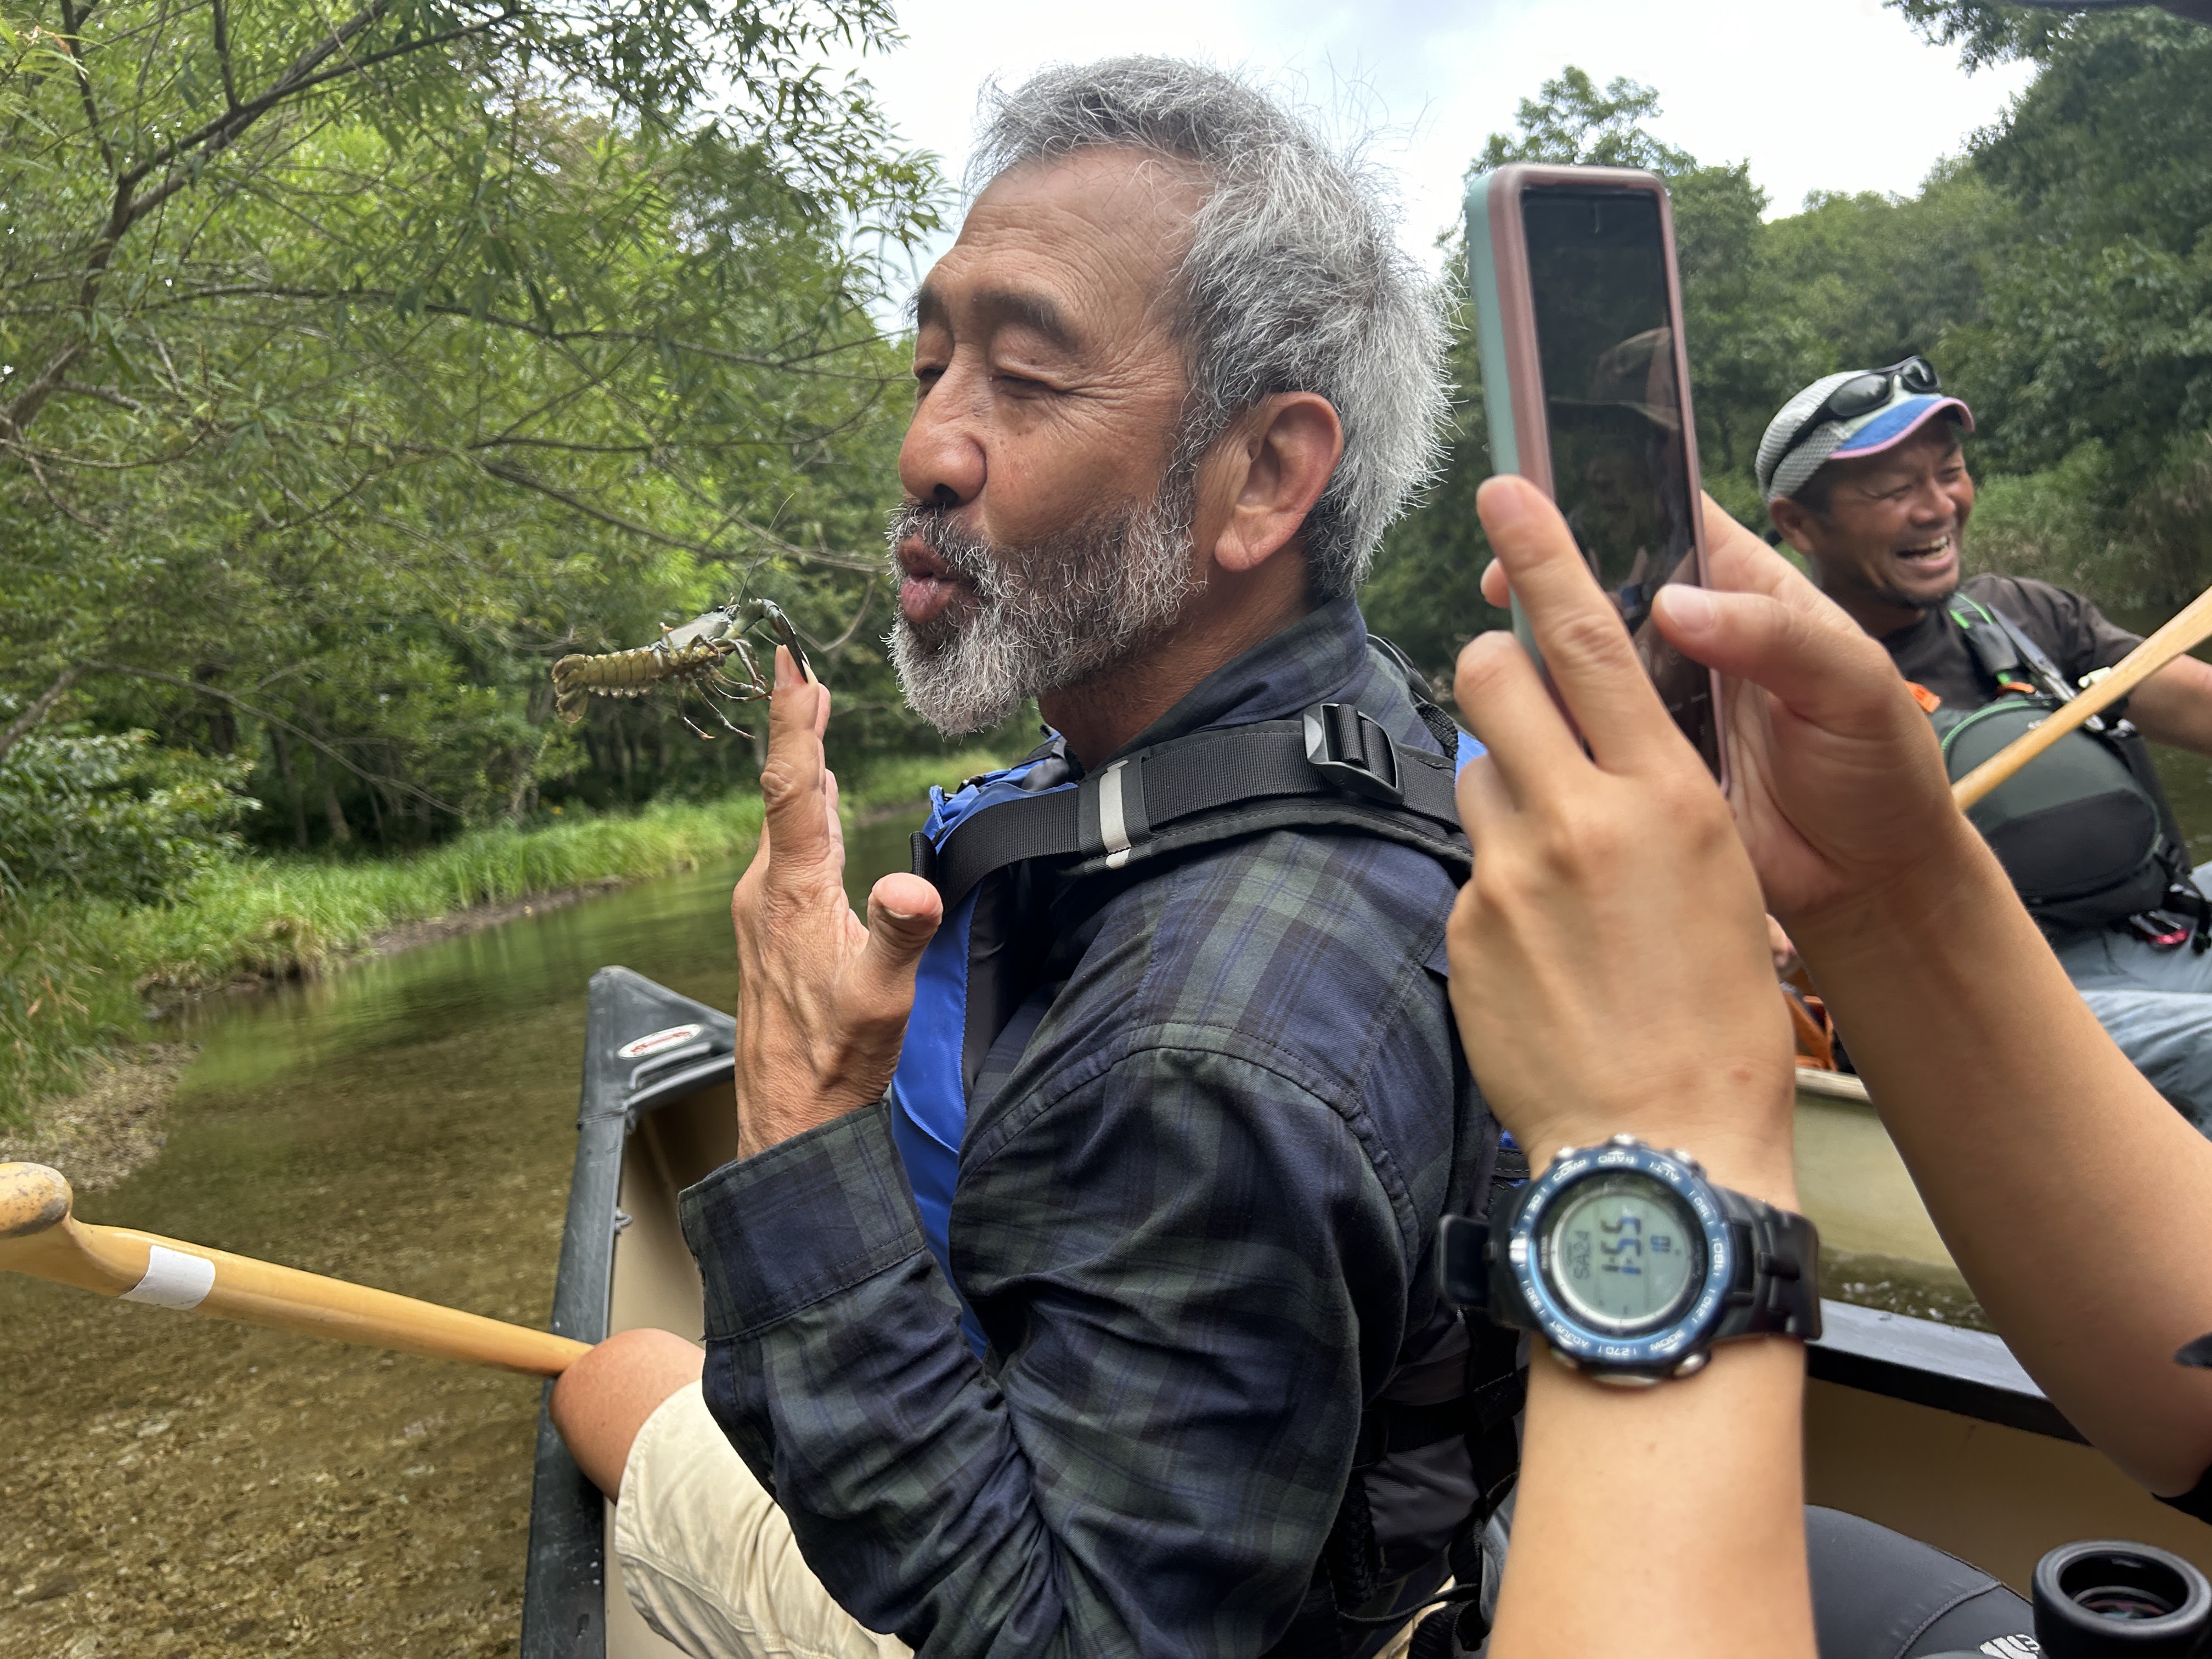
1155	1465
1668	1522
894	1456
2055	1174
835	1365
2174	706
1714	1461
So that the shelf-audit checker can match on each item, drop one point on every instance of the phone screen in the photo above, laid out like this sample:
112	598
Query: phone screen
1620	472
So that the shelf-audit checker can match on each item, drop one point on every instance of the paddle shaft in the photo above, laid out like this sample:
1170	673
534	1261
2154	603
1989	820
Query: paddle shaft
41	1237
2191	626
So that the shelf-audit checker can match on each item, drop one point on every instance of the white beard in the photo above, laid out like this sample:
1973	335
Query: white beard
1043	617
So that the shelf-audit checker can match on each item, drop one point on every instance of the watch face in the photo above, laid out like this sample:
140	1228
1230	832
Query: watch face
1622	1252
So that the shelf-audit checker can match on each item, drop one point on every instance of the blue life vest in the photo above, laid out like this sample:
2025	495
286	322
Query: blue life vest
929	1093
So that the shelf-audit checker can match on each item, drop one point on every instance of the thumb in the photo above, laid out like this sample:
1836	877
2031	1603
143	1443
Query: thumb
903	913
1815	661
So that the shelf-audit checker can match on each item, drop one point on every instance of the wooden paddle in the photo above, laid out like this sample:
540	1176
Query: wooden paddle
41	1237
2191	626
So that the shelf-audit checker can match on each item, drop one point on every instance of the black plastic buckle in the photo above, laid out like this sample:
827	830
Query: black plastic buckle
1462	1262
1353	751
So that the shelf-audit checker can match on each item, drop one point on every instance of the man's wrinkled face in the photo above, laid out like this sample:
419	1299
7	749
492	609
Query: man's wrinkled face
1894	521
1046	533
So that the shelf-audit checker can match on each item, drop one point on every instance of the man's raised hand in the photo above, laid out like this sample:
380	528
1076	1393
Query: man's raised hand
1840	792
1608	960
822	997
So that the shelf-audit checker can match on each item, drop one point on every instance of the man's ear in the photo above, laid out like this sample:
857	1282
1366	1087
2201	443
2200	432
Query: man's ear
1264	476
1792	520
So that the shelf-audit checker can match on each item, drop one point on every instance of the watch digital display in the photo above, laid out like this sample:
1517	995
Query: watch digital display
1622	1251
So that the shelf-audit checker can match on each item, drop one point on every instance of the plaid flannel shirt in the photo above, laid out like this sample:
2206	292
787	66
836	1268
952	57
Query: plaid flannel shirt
1193	1219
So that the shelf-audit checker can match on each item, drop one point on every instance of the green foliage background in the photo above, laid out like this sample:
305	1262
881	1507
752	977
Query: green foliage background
353	367
2059	274
356	364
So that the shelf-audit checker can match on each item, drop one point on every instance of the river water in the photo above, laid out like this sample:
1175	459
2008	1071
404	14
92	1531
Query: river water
172	1487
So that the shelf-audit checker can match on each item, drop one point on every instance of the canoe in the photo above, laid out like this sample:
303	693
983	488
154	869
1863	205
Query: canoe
1926	1427
657	1114
1915	1422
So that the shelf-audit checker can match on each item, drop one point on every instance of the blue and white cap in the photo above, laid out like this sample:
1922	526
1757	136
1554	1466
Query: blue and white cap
1784	469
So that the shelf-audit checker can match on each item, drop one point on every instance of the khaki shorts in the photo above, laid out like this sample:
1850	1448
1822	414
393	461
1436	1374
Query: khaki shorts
709	1561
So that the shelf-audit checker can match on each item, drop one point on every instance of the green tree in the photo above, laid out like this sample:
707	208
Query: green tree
1571	123
2093	327
352	366
1990	34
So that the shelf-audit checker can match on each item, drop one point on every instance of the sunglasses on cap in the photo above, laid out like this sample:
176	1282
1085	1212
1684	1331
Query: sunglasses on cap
1865	393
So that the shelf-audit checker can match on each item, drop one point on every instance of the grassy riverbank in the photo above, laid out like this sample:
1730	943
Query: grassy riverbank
75	977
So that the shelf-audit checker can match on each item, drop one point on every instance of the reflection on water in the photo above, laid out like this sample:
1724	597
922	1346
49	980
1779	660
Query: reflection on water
1877	1246
175	1486
2188	780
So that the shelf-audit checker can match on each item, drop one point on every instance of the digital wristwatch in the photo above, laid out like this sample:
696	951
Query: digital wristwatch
1630	1264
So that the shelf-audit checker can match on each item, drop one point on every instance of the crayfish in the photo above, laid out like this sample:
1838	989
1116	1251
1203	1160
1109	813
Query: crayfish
697	655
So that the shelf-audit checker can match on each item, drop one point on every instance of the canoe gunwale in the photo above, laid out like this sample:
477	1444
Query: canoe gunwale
565	1579
1970	1374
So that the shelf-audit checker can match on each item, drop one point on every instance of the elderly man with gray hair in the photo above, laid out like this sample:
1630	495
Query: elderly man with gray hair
1071	1292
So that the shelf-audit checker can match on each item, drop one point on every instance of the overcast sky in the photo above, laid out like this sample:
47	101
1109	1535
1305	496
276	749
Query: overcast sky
1817	94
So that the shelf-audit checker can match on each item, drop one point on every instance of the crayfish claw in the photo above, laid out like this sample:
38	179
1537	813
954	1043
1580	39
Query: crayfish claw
788	636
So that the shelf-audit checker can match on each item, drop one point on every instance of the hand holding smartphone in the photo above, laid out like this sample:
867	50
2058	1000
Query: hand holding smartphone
1578	316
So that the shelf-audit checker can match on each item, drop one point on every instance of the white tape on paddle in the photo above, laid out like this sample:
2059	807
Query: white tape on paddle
174	1280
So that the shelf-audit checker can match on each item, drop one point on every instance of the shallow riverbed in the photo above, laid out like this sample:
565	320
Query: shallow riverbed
171	1486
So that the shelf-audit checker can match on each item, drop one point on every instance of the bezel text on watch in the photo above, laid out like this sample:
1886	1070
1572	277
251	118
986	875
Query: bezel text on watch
1661	1351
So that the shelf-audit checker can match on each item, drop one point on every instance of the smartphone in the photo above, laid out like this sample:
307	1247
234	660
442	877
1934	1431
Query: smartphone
1578	317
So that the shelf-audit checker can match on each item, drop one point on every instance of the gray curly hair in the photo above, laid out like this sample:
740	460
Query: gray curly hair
1294	281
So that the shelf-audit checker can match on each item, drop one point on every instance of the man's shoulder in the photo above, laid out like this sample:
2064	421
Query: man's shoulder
1321	882
1311	912
2040	607
1292	942
2066	624
2006	593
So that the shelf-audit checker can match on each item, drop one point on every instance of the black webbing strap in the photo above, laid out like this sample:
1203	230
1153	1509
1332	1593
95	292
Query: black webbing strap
2002	647
1994	649
1332	755
2038	660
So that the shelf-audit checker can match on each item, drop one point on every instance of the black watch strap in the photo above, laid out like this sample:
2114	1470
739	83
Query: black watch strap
1777	1281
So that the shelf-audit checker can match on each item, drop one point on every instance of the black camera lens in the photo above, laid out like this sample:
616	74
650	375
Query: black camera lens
2128	1600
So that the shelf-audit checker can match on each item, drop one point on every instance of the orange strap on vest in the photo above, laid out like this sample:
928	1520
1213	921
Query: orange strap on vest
1815	1034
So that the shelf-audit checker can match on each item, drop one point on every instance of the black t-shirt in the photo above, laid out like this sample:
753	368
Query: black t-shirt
1933	652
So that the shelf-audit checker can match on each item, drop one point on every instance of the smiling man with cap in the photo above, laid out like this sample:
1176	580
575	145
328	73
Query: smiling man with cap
1864	474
